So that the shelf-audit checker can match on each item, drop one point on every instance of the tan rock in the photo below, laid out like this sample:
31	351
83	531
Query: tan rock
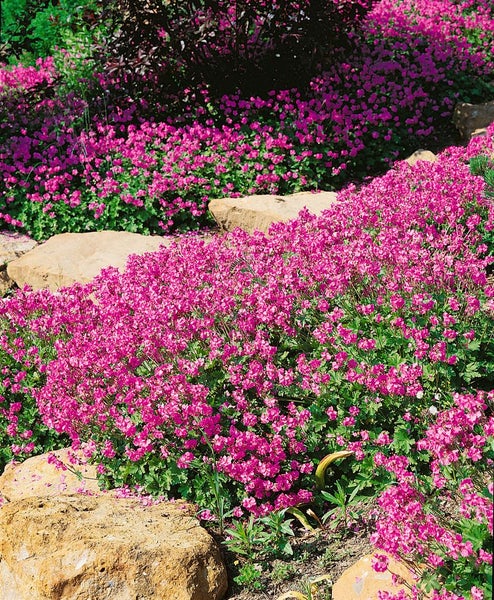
12	245
425	155
5	282
78	257
258	213
468	118
38	477
95	548
361	582
479	133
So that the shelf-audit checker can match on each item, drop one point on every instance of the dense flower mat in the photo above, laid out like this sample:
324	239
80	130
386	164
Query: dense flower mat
224	371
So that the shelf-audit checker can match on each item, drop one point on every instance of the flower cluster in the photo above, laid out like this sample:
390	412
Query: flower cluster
24	78
70	164
444	522
253	356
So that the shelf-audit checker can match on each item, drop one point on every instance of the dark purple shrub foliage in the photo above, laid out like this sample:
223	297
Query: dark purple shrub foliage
249	44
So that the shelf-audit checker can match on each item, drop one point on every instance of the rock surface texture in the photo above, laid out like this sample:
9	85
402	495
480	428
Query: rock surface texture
473	119
258	213
78	257
37	476
419	155
100	548
361	582
12	246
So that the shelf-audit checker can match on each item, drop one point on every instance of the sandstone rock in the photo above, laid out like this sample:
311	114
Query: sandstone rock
95	548
257	213
479	133
5	282
468	118
425	155
12	245
67	258
37	477
361	582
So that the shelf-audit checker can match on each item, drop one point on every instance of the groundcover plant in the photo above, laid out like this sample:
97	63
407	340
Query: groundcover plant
232	372
225	371
103	155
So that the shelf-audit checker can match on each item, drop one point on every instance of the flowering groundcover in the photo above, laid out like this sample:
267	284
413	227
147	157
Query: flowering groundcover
93	157
225	371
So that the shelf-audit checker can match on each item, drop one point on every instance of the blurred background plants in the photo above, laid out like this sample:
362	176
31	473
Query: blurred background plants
34	29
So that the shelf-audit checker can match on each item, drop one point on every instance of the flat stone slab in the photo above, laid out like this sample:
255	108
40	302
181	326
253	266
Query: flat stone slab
259	212
68	258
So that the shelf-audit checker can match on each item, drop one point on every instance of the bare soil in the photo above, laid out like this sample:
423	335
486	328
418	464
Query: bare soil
314	554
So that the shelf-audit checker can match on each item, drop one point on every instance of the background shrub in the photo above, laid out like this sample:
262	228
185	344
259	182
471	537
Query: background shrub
32	30
248	44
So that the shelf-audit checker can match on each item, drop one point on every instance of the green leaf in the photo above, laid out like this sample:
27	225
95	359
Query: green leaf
402	440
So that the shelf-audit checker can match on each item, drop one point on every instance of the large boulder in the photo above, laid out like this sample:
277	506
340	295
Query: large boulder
258	213
67	258
95	547
12	246
361	582
473	119
41	476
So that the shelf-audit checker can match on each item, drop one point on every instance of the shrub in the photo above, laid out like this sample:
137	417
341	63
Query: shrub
249	44
33	29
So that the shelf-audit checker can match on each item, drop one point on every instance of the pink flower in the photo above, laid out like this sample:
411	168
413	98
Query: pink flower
380	563
331	413
396	301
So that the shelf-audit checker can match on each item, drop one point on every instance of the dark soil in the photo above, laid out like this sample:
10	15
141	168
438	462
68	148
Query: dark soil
314	554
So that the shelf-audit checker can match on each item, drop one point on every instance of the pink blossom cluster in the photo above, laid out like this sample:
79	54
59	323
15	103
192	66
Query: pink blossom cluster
425	20
25	78
231	354
430	527
122	169
394	83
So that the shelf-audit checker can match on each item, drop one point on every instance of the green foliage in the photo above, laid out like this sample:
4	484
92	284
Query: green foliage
16	16
262	537
76	66
33	28
282	571
249	576
342	502
22	433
